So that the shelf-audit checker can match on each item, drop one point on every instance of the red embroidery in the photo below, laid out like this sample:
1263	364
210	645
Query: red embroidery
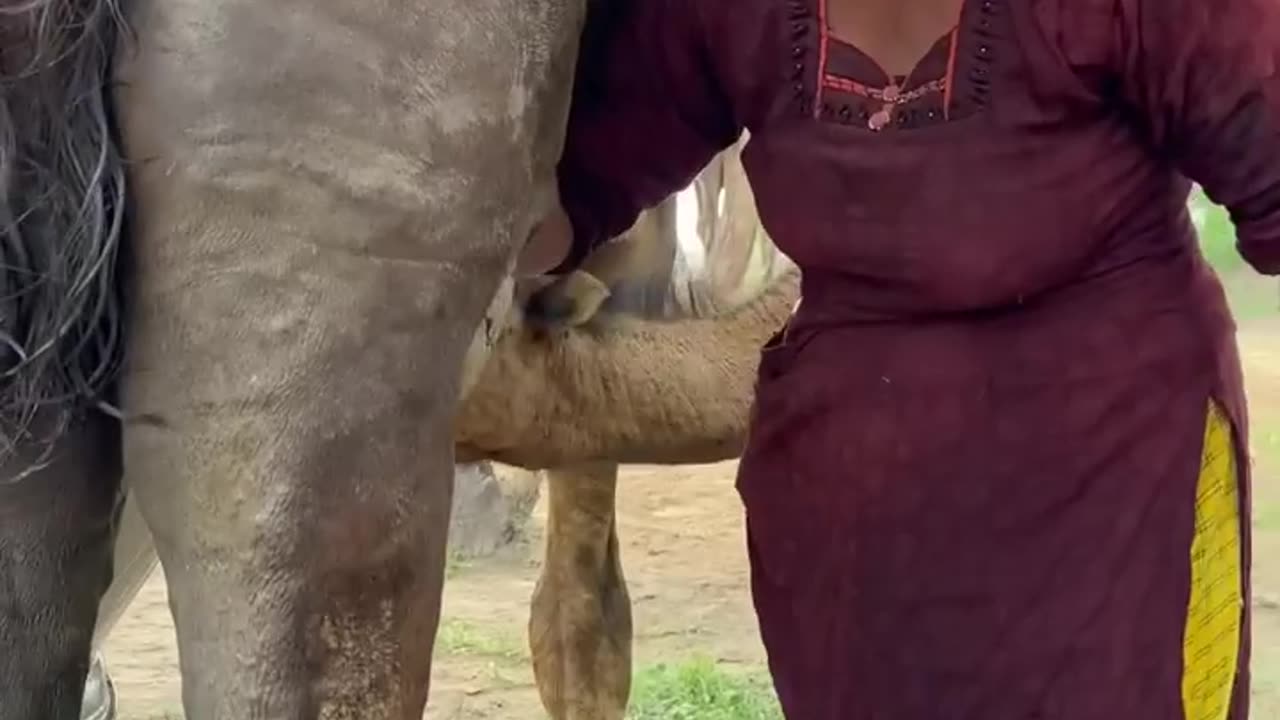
891	95
949	78
824	37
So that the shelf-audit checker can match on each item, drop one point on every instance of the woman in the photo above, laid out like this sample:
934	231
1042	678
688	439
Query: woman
996	470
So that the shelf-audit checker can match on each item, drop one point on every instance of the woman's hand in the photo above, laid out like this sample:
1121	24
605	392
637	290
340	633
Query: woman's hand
548	245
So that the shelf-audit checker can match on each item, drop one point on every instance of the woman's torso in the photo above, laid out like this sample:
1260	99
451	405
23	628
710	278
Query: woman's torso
1018	209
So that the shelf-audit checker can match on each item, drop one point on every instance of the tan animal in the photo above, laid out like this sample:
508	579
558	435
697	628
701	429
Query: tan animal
619	388
609	386
579	403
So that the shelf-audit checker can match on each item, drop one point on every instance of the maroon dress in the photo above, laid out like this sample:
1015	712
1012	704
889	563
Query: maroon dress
971	479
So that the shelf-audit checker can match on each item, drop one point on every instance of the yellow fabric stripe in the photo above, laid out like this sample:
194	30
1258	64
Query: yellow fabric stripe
1211	640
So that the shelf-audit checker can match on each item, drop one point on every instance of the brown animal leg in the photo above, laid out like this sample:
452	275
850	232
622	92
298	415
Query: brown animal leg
580	627
55	563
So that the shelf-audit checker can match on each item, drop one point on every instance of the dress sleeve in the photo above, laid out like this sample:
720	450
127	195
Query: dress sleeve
1203	74
648	114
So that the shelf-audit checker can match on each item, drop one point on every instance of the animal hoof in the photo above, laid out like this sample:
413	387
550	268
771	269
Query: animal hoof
99	701
570	301
547	310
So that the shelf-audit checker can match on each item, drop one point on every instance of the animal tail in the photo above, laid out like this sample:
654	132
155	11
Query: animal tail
62	219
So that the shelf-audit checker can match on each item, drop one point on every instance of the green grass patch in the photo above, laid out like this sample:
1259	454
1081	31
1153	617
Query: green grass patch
458	637
455	565
1265	441
1264	444
699	689
1217	235
1266	516
1265	688
1251	295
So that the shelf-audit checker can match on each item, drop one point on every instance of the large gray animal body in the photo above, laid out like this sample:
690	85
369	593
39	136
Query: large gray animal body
323	198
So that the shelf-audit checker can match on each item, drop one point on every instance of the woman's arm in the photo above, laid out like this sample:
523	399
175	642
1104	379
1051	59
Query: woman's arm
648	114
1204	73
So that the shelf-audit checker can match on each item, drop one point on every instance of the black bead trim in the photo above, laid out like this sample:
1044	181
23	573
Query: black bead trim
801	53
984	32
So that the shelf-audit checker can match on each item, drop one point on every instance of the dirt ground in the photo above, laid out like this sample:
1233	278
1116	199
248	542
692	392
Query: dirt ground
684	556
681	530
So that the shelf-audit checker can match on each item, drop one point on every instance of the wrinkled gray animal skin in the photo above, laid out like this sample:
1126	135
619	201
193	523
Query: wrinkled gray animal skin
323	198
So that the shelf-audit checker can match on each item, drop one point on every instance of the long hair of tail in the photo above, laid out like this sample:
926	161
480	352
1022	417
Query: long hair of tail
62	218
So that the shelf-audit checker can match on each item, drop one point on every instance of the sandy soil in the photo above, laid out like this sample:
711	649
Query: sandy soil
682	537
683	550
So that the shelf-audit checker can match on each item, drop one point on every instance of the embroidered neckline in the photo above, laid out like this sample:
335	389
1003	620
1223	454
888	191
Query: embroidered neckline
961	91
